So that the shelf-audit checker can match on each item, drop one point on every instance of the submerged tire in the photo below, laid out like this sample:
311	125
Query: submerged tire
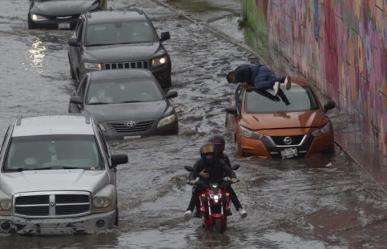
218	226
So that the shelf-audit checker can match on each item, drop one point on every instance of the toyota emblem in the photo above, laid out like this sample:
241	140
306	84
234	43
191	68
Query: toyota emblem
131	124
288	140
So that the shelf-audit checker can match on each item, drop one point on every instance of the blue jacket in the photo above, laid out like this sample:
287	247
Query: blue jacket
259	76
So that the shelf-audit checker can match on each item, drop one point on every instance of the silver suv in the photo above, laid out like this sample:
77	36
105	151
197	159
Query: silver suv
57	176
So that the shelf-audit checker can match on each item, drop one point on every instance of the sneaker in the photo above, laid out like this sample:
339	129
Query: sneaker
188	215
276	87
242	213
288	83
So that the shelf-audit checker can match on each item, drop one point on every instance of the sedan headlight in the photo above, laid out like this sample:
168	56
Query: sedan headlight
92	66
323	130
158	61
250	133
103	201
37	18
167	120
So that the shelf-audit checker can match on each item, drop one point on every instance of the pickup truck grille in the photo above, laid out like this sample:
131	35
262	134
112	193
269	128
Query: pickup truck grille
52	204
126	65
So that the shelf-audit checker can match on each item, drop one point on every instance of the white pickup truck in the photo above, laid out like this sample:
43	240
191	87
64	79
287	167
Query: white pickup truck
57	176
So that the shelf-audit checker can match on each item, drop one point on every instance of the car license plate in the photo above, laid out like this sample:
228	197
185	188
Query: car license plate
64	25
289	153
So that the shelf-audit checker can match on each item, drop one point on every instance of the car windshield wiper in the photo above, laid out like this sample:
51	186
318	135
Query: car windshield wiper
99	103
131	101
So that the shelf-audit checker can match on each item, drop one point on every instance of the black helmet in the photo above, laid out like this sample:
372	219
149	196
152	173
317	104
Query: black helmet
218	142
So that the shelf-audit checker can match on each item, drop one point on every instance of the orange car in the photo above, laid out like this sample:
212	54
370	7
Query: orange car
291	124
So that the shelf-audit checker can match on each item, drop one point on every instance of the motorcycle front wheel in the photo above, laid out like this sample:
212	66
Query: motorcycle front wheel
218	226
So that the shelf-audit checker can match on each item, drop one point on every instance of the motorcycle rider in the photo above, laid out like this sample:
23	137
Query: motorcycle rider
209	168
219	144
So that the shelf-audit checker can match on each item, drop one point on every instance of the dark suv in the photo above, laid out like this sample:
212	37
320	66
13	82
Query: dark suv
107	40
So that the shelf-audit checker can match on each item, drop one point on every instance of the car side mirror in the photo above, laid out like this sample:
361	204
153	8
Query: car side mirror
76	100
165	36
231	110
73	42
119	159
188	168
171	95
329	105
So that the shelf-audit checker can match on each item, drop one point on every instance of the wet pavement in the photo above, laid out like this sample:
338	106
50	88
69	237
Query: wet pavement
316	203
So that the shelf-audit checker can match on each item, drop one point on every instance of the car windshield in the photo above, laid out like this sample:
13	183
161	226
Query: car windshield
122	91
296	99
53	152
119	33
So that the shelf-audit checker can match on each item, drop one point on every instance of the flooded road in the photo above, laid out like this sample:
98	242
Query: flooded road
316	203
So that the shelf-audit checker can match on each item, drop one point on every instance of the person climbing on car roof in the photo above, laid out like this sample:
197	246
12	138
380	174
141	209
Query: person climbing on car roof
210	168
258	76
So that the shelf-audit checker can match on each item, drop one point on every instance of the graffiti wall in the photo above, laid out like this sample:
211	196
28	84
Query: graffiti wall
339	44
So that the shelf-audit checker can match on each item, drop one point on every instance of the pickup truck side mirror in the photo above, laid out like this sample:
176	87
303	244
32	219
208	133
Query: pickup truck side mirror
73	42
76	100
119	159
231	110
171	95
165	36
329	105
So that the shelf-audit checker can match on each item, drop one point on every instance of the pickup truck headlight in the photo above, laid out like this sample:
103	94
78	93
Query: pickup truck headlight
323	130
158	61
250	133
37	18
104	200
170	119
92	66
5	204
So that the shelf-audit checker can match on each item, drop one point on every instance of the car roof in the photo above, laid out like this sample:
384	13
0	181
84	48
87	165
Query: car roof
53	125
115	16
122	74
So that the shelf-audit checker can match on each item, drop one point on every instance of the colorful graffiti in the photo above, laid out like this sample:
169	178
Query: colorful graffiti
339	44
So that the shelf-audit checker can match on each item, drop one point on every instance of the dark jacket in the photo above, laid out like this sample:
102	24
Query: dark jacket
217	169
259	76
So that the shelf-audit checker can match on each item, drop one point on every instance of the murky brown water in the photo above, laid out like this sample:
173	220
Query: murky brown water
316	203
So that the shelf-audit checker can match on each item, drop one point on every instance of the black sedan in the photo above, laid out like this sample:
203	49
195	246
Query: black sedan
125	103
62	14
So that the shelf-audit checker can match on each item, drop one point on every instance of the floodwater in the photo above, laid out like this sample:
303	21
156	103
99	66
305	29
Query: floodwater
322	202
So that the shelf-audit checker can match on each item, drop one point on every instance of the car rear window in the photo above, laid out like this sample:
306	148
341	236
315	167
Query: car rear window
296	99
119	33
53	152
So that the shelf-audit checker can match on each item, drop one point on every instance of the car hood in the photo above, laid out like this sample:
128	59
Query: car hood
53	180
285	120
121	53
130	111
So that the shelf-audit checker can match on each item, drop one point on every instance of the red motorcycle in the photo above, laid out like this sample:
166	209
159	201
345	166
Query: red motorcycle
214	204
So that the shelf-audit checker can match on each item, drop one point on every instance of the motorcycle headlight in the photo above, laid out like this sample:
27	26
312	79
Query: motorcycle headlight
250	133
158	61
216	197
104	199
37	18
323	130
167	120
92	66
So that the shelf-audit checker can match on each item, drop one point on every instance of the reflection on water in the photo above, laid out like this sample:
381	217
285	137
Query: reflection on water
37	54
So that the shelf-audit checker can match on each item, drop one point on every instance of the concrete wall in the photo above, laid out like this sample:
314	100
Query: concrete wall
340	44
